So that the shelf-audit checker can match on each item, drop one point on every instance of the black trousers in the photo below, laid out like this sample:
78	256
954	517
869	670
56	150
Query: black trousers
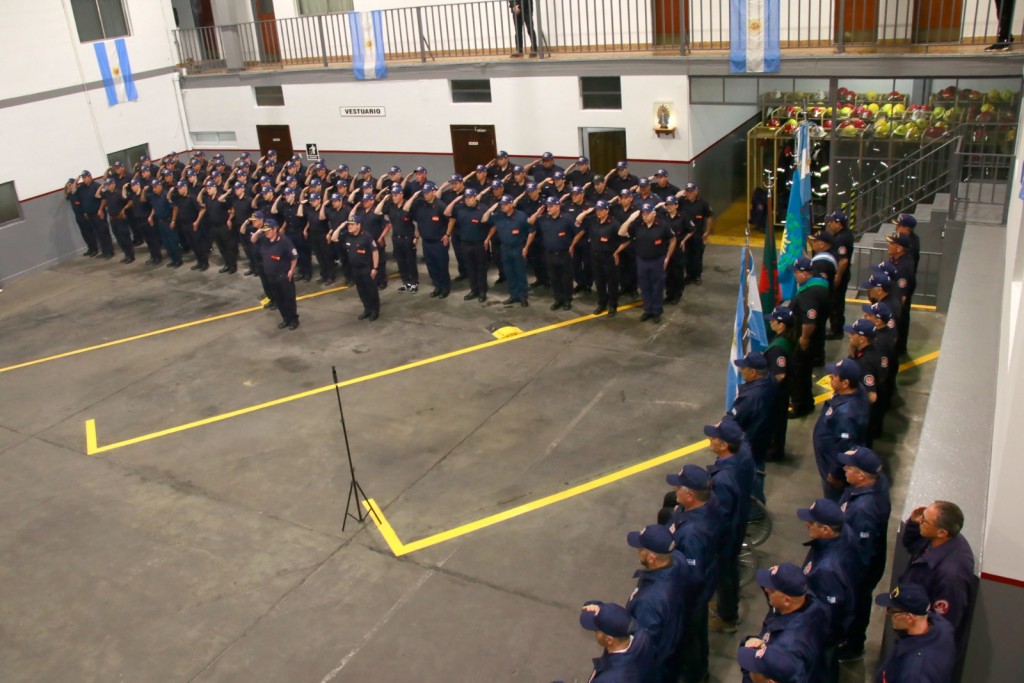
694	651
695	256
226	240
476	258
627	270
837	317
305	256
282	293
862	603
102	232
524	21
1004	10
382	264
141	226
560	270
536	258
606	279
322	250
367	288
88	234
582	263
675	275
405	257
460	259
201	244
728	601
801	389
123	235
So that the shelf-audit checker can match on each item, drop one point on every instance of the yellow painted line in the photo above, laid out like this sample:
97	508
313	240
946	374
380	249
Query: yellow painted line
913	307
92	447
399	548
165	330
507	331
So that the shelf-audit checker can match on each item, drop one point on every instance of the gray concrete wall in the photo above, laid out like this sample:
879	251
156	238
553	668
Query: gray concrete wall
994	654
46	234
721	170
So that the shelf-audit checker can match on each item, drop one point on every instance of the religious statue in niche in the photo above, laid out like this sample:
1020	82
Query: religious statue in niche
663	115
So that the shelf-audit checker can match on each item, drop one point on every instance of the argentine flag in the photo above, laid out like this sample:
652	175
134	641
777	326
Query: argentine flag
367	29
754	36
749	332
116	71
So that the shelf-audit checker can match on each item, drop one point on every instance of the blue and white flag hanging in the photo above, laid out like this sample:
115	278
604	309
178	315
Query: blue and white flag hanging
754	36
116	71
367	29
749	333
798	212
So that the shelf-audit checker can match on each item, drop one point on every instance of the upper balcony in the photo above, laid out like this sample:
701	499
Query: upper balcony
486	30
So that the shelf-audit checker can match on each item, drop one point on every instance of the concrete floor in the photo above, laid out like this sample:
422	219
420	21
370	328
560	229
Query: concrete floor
215	552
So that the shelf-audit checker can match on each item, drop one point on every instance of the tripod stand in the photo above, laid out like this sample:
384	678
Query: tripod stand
355	491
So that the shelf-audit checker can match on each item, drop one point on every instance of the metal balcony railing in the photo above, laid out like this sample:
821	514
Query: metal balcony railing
486	29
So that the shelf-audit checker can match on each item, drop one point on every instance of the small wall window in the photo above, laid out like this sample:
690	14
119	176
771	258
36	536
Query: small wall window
99	19
601	92
10	209
213	137
129	157
471	90
324	6
269	95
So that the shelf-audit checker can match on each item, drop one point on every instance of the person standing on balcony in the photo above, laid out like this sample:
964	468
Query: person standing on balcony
1004	12
522	14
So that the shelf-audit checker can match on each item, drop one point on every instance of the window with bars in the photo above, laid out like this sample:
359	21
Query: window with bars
601	92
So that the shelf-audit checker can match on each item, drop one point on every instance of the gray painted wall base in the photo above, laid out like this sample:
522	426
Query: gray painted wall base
47	234
997	631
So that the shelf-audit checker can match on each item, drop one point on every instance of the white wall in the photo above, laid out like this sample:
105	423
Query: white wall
530	115
709	123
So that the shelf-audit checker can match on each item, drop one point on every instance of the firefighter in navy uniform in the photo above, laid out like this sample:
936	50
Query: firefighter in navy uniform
842	250
675	274
924	651
655	243
899	245
557	231
874	368
376	225
113	205
694	207
603	231
362	250
278	261
428	212
286	208
810	307
217	215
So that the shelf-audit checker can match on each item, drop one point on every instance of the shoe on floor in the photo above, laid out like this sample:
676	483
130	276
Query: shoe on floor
374	316
600	309
444	294
612	312
471	295
364	315
414	288
656	319
720	625
483	298
524	303
567	306
435	293
645	317
293	325
403	288
555	306
281	325
224	269
508	302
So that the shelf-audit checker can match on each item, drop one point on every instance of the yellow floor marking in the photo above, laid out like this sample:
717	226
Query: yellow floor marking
173	328
506	331
399	548
92	447
913	307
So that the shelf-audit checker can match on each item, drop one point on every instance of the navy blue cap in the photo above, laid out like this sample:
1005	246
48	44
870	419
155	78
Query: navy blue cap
335	197
456	178
647	207
314	196
259	215
774	662
599	179
693	477
420	169
366	185
289	190
726	430
190	173
864	328
480	168
531	187
238	186
643	182
622	164
316	182
838	217
210	183
394	169
863	458
182	183
877	280
558	175
611	619
654	537
518	169
822	236
495	184
506	199
469	192
576	189
342	167
906	597
625	192
155	182
365	169
428	186
547	156
887	267
907	220
691	187
785	578
290	179
503	154
671	200
118	164
803	264
899	238
846	369
135	181
879	310
822	511
270	152
552	201
784	314
601	205
661	173
754	360
271	223
367	198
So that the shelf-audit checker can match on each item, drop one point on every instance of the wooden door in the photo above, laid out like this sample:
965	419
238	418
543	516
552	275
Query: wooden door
267	29
667	26
276	137
859	21
472	145
937	21
605	148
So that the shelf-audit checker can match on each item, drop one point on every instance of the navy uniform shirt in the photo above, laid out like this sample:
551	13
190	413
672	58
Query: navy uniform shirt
139	209
799	633
946	573
335	217
885	342
866	512
905	281
539	173
593	195
161	205
842	247
633	665
657	606
696	533
430	219
752	410
679	224
86	196
513	188
927	658
470	223
825	567
811	306
573	209
842	425
578	177
401	221
277	256
651	241
216	210
556	189
664	192
557	232
188	207
288	216
778	354
360	249
317	226
873	367
698	211
512	230
732	480
604	236
115	203
242	208
616	182
372	223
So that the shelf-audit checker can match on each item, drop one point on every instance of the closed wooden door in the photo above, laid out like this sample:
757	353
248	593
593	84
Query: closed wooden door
472	145
275	137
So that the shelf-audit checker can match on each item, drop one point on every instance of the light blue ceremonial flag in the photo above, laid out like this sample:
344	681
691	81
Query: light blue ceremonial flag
754	36
749	333
116	71
798	213
367	29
